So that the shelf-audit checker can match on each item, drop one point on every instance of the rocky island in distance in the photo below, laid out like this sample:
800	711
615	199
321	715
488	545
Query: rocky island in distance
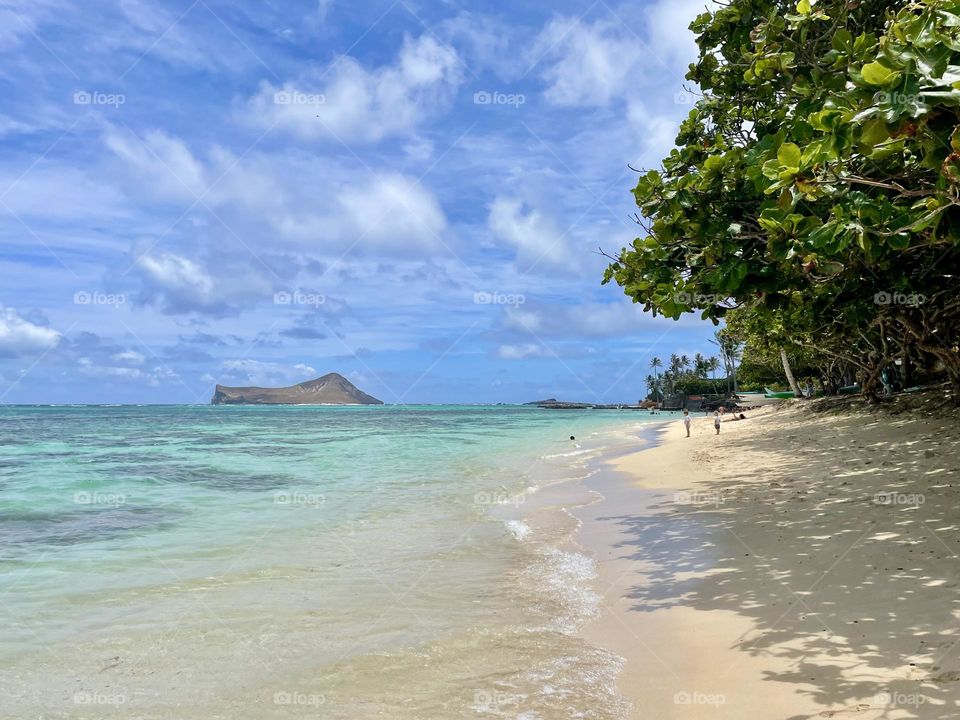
331	389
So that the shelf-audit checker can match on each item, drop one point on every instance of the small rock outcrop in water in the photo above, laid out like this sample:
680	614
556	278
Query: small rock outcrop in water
331	389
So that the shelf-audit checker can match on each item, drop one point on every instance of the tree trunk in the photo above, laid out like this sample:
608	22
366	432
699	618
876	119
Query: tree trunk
797	392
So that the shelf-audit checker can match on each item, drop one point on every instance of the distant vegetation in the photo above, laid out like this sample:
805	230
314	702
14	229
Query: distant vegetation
813	199
686	376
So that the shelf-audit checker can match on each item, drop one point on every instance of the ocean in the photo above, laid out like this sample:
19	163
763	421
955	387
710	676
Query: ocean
337	562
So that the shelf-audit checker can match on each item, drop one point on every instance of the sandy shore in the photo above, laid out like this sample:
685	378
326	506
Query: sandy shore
799	565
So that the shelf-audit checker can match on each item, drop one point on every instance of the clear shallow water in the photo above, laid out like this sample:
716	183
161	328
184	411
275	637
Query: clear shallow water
210	561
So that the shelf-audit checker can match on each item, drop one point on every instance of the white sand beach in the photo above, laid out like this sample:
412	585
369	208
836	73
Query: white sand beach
799	565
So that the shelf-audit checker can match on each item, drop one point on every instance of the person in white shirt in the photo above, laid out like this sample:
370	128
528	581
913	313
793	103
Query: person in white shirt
686	421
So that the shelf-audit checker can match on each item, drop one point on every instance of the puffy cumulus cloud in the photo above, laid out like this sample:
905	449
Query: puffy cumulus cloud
594	64
221	282
19	336
256	372
349	102
177	284
589	64
392	208
390	212
316	202
535	237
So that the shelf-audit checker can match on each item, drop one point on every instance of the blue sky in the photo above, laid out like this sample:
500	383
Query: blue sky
260	192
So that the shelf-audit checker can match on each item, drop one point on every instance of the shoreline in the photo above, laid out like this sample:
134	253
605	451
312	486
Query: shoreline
767	569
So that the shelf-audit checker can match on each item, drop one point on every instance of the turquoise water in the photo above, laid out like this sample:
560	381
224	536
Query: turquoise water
303	545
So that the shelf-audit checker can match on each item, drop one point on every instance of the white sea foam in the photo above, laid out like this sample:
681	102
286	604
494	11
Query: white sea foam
573	453
519	530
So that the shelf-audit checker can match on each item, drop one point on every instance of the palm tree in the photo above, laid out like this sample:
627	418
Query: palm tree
700	366
653	386
655	363
730	351
713	364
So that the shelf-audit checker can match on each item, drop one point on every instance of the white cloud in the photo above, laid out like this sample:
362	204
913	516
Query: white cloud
535	237
153	377
260	373
130	357
177	283
655	132
177	273
165	162
522	351
62	193
318	202
593	64
21	18
485	41
150	30
22	337
392	209
583	320
323	9
349	102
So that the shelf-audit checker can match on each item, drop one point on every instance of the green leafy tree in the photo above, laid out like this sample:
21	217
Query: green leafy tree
816	183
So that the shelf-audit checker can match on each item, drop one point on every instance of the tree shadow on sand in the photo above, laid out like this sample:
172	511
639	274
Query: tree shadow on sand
846	549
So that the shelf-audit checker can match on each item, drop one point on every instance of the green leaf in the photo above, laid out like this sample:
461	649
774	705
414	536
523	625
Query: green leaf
804	7
874	132
789	155
879	74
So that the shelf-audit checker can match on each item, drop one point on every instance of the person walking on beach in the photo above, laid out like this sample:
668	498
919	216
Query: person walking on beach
716	422
686	421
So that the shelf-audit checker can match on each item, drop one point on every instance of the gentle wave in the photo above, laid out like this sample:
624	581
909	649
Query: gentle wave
357	547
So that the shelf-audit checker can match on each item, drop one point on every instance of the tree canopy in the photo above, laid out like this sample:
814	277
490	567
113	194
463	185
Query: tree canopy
814	187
